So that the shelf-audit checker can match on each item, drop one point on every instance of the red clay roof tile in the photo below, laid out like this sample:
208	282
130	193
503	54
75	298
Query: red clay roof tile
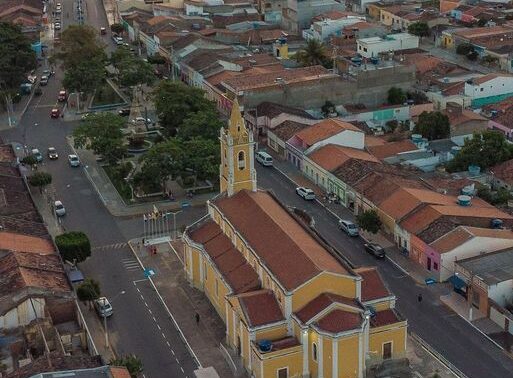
260	308
372	284
337	321
321	302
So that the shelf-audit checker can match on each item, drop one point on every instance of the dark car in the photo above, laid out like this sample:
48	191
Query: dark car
375	249
124	112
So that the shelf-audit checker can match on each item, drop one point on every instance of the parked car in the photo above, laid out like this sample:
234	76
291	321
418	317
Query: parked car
375	250
103	31
48	73
264	158
57	25
62	96
38	91
103	307
52	153
44	80
306	193
124	112
39	157
348	227
60	211
73	160
55	113
142	120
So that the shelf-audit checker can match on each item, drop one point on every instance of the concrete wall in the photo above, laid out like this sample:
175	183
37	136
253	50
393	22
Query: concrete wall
502	293
23	314
495	87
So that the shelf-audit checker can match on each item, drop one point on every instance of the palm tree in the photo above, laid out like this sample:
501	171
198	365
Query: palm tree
313	54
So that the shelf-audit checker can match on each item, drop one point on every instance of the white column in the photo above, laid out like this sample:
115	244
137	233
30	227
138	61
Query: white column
234	324
201	271
334	358
320	365
306	359
361	355
250	338
365	341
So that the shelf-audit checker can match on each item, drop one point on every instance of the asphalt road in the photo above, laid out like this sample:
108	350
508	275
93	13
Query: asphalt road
140	324
454	338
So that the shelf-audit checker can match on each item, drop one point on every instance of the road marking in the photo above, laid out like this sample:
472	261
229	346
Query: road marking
146	304
155	320
169	345
139	291
164	336
150	311
178	362
110	246
130	264
172	351
160	329
142	297
136	281
181	368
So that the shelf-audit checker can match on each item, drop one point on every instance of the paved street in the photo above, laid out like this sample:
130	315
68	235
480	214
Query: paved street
444	330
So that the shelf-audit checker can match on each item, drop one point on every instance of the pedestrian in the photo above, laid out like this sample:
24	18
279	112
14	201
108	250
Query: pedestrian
419	298
197	316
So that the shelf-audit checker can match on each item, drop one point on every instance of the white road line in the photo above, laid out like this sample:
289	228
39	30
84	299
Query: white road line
164	336
172	351
159	327
150	311
181	368
178	362
155	320
137	288
169	345
146	304
142	297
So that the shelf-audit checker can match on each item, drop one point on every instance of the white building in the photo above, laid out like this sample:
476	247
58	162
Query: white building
489	89
374	46
322	30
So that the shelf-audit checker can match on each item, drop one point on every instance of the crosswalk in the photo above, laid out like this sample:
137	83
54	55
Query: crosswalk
110	247
130	264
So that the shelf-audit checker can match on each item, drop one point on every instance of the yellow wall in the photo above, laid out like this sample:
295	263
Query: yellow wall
323	283
380	306
327	356
244	337
388	223
210	290
312	338
381	335
348	356
272	333
294	361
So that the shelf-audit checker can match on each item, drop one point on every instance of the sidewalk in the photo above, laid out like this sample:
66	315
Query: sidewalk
402	262
184	302
113	201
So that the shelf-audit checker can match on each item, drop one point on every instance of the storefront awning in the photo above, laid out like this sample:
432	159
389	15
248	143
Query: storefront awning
457	282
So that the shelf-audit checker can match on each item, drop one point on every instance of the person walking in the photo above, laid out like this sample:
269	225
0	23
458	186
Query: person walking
197	316
419	298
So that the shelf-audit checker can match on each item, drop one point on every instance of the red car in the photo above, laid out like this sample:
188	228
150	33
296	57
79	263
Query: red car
62	96
55	113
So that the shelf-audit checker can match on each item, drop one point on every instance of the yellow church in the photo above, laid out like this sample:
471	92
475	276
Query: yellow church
291	307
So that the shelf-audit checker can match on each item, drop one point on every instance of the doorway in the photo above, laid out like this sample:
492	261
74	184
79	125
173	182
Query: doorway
429	263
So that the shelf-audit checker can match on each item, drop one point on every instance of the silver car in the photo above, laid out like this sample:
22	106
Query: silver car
59	208
74	161
348	227
103	307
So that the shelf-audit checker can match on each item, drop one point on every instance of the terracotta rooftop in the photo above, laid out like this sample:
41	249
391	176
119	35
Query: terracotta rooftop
353	171
324	129
462	234
385	317
332	156
321	302
24	243
287	129
504	171
481	32
333	15
279	78
239	275
460	117
455	89
337	321
278	238
19	270
373	286
260	308
392	148
272	110
404	200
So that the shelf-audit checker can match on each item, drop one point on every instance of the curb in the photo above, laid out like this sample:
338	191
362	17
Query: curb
166	308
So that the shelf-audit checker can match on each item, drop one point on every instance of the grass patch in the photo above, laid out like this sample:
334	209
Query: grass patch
106	95
117	174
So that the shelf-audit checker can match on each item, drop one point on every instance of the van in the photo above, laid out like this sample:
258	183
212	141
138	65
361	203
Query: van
264	158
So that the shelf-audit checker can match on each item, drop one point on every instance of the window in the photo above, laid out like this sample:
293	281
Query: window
225	157
314	351
387	350
282	373
482	89
475	299
242	160
217	288
435	266
205	270
365	49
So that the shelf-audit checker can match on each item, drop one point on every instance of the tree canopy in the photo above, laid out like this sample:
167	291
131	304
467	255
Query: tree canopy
133	364
314	53
396	96
89	290
83	58
485	150
132	70
175	102
40	179
433	125
16	56
420	29
73	246
101	132
202	124
369	221
117	28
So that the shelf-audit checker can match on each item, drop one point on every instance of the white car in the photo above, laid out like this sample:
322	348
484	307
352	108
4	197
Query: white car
74	161
103	307
142	120
57	26
37	155
59	208
307	194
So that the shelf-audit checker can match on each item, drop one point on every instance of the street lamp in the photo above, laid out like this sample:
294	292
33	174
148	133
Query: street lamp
105	318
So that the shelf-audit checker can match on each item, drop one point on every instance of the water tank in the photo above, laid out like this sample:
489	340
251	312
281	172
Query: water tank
496	223
464	200
265	345
468	190
455	150
416	138
474	170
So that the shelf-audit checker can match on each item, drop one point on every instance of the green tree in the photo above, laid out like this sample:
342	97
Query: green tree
484	149
156	59
420	29
175	102
29	160
369	221
16	56
313	54
101	132
89	290
202	156
464	49
131	362
433	125
73	246
85	77
396	96
40	180
201	124
117	28
132	70
162	161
